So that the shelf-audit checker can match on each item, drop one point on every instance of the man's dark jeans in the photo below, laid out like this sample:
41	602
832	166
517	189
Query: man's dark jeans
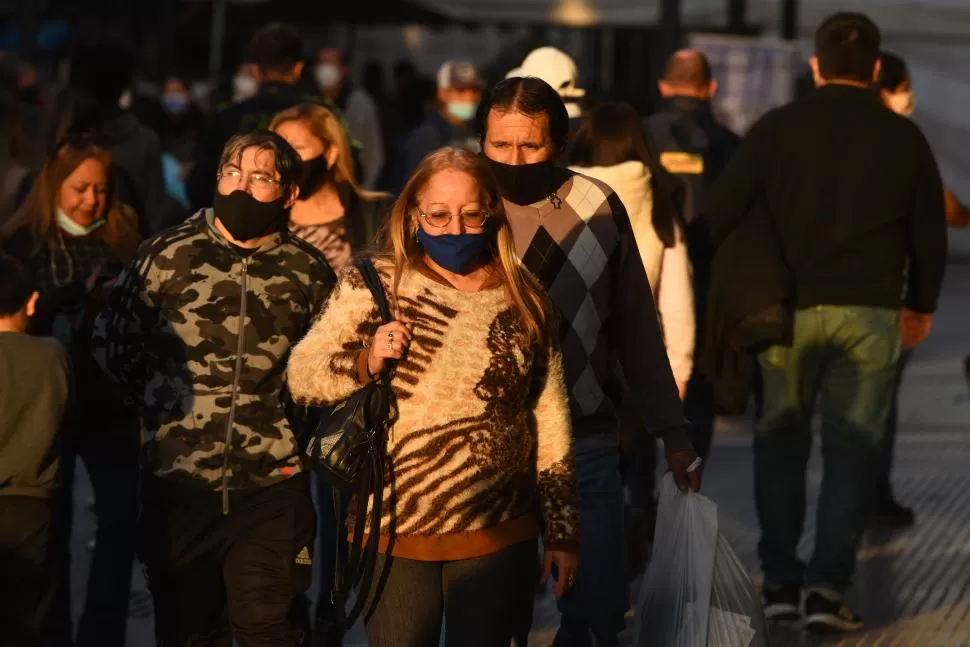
844	360
594	608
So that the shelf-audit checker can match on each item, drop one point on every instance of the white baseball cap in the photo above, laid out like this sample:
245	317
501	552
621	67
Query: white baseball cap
555	67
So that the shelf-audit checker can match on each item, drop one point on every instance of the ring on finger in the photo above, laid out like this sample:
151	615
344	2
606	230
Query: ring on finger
390	345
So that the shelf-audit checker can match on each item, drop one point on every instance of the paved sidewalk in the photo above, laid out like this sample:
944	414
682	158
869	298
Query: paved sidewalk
913	587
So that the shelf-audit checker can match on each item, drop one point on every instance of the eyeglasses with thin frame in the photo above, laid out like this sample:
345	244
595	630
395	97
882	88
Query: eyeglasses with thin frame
257	180
471	219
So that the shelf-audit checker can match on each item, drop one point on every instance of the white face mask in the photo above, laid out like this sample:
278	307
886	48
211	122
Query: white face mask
903	103
244	87
74	229
328	76
201	91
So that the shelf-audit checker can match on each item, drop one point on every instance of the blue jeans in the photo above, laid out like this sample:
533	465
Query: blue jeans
599	600
844	360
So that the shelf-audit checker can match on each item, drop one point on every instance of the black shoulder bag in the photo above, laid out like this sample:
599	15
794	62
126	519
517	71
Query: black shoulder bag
347	449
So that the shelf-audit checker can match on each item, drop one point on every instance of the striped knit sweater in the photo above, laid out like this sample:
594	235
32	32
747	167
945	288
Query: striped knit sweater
481	445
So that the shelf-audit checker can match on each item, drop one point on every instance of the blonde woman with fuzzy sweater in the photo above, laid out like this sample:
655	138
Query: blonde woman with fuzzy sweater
479	455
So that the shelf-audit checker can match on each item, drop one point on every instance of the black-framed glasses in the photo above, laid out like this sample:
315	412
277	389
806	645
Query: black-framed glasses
471	219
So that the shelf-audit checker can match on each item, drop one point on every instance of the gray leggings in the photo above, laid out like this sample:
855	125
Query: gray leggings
486	600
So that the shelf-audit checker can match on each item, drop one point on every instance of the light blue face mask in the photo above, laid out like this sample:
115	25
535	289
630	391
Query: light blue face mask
462	110
71	228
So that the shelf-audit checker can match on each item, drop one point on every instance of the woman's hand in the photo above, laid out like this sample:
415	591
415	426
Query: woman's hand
390	341
566	564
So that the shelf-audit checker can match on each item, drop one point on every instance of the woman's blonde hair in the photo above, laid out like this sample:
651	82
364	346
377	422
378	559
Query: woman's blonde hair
530	300
325	126
38	213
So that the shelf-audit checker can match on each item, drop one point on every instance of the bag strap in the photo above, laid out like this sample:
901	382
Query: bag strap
360	569
373	281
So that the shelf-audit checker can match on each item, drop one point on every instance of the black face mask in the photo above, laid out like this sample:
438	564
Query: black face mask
316	173
525	183
246	218
30	94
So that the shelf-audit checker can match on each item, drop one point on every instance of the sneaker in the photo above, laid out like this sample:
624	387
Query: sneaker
892	514
781	604
826	613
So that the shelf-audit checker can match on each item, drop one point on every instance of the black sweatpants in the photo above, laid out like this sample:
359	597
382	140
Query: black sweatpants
26	570
483	600
242	576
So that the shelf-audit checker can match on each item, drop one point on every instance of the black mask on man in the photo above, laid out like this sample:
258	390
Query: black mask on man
525	183
316	173
246	218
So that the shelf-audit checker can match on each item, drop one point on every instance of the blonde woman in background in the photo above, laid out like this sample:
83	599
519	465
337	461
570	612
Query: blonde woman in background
332	213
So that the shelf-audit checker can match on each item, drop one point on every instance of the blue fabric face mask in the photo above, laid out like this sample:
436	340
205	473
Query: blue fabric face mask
455	253
462	110
175	104
71	228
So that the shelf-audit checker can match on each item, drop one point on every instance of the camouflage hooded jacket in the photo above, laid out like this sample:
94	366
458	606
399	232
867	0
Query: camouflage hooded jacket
200	335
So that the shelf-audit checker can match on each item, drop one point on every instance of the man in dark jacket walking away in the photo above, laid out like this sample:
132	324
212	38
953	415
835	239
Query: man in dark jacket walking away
693	145
198	328
855	195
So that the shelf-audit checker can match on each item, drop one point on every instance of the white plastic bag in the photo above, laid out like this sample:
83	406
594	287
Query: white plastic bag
695	592
737	617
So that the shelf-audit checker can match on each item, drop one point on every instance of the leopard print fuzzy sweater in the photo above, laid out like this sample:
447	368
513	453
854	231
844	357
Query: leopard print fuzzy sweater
480	455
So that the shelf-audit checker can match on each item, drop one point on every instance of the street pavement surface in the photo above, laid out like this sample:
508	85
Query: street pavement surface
912	586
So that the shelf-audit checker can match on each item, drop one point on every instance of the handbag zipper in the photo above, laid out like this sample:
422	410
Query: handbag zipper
236	376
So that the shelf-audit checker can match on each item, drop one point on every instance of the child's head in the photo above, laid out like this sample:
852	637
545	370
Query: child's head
18	295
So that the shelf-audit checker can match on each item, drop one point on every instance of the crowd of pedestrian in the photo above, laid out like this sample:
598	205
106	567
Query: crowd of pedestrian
186	293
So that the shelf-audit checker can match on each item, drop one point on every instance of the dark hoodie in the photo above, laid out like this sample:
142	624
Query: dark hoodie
137	151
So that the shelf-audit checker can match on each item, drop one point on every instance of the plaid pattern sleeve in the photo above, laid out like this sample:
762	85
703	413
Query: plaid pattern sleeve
580	245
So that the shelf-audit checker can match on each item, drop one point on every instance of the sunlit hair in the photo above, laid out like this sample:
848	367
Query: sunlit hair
325	126
39	210
529	299
285	159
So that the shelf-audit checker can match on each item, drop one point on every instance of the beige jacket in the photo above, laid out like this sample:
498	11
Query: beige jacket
667	268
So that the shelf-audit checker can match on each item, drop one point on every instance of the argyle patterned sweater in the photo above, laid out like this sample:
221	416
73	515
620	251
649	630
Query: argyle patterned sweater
580	244
481	443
